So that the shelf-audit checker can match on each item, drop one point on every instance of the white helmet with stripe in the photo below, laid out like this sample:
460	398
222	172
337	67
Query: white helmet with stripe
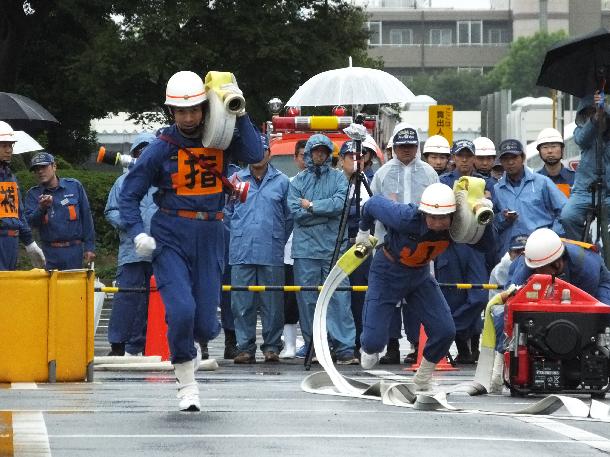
437	199
542	247
185	89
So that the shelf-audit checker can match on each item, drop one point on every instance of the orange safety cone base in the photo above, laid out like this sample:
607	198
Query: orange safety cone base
156	329
443	365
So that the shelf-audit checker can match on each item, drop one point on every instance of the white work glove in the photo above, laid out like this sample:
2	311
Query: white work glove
145	244
364	237
36	255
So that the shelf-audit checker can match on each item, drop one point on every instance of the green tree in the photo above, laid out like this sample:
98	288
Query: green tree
84	58
519	70
462	90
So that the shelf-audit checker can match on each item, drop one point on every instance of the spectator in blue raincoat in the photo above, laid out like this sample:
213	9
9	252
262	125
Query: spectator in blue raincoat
316	197
461	263
59	209
13	224
585	136
187	233
523	200
260	227
127	326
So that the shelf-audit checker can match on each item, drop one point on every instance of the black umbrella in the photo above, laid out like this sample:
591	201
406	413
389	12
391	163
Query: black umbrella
23	113
577	65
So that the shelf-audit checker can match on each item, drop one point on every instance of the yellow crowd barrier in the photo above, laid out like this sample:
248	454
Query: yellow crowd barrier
47	326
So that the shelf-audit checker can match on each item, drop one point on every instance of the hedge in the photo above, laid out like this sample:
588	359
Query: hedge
97	185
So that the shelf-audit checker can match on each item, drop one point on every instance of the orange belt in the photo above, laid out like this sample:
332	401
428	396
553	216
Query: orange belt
11	233
199	215
63	244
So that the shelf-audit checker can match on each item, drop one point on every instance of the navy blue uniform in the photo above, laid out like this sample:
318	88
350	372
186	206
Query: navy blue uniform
188	229
66	227
13	225
401	269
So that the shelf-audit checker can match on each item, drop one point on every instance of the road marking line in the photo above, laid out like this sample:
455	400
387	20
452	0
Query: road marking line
24	386
29	432
317	435
576	434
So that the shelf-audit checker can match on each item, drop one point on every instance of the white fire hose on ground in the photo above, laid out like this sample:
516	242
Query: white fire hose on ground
402	393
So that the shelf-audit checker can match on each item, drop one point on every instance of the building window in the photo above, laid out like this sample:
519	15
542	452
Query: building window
498	36
440	37
401	37
474	70
375	33
470	32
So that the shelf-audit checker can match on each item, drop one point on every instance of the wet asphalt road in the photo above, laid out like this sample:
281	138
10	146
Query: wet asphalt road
260	410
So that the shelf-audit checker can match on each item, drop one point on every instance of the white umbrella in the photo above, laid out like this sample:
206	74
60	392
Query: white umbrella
25	143
351	86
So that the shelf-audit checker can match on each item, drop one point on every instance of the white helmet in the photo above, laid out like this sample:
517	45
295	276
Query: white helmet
484	147
185	89
548	135
7	134
437	198
437	144
369	142
543	247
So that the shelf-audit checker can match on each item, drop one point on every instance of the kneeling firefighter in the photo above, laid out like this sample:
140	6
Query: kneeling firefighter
187	233
416	235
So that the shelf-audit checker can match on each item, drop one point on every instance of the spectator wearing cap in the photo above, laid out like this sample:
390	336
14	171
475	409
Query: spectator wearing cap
316	197
523	200
127	325
484	157
13	224
550	148
259	229
349	160
402	179
59	209
465	264
497	170
464	155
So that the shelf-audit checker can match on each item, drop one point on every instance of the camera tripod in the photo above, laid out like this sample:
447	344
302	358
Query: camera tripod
357	179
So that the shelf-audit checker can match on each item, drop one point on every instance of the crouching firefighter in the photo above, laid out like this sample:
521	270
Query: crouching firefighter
546	253
416	235
187	233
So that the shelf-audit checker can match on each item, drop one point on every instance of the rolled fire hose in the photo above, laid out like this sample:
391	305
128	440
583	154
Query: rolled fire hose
224	103
473	213
397	390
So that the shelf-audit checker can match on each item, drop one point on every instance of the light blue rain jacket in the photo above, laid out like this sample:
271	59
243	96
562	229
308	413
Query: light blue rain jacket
315	232
537	201
261	226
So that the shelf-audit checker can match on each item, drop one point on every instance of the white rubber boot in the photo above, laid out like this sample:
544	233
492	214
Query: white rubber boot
188	391
368	361
198	358
423	376
290	342
497	376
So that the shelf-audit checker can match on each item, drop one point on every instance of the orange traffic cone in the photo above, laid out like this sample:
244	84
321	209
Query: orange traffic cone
443	365
156	329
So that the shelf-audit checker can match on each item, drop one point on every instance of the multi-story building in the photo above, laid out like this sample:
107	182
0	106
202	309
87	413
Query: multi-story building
412	36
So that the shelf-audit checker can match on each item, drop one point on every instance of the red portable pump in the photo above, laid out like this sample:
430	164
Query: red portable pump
558	340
